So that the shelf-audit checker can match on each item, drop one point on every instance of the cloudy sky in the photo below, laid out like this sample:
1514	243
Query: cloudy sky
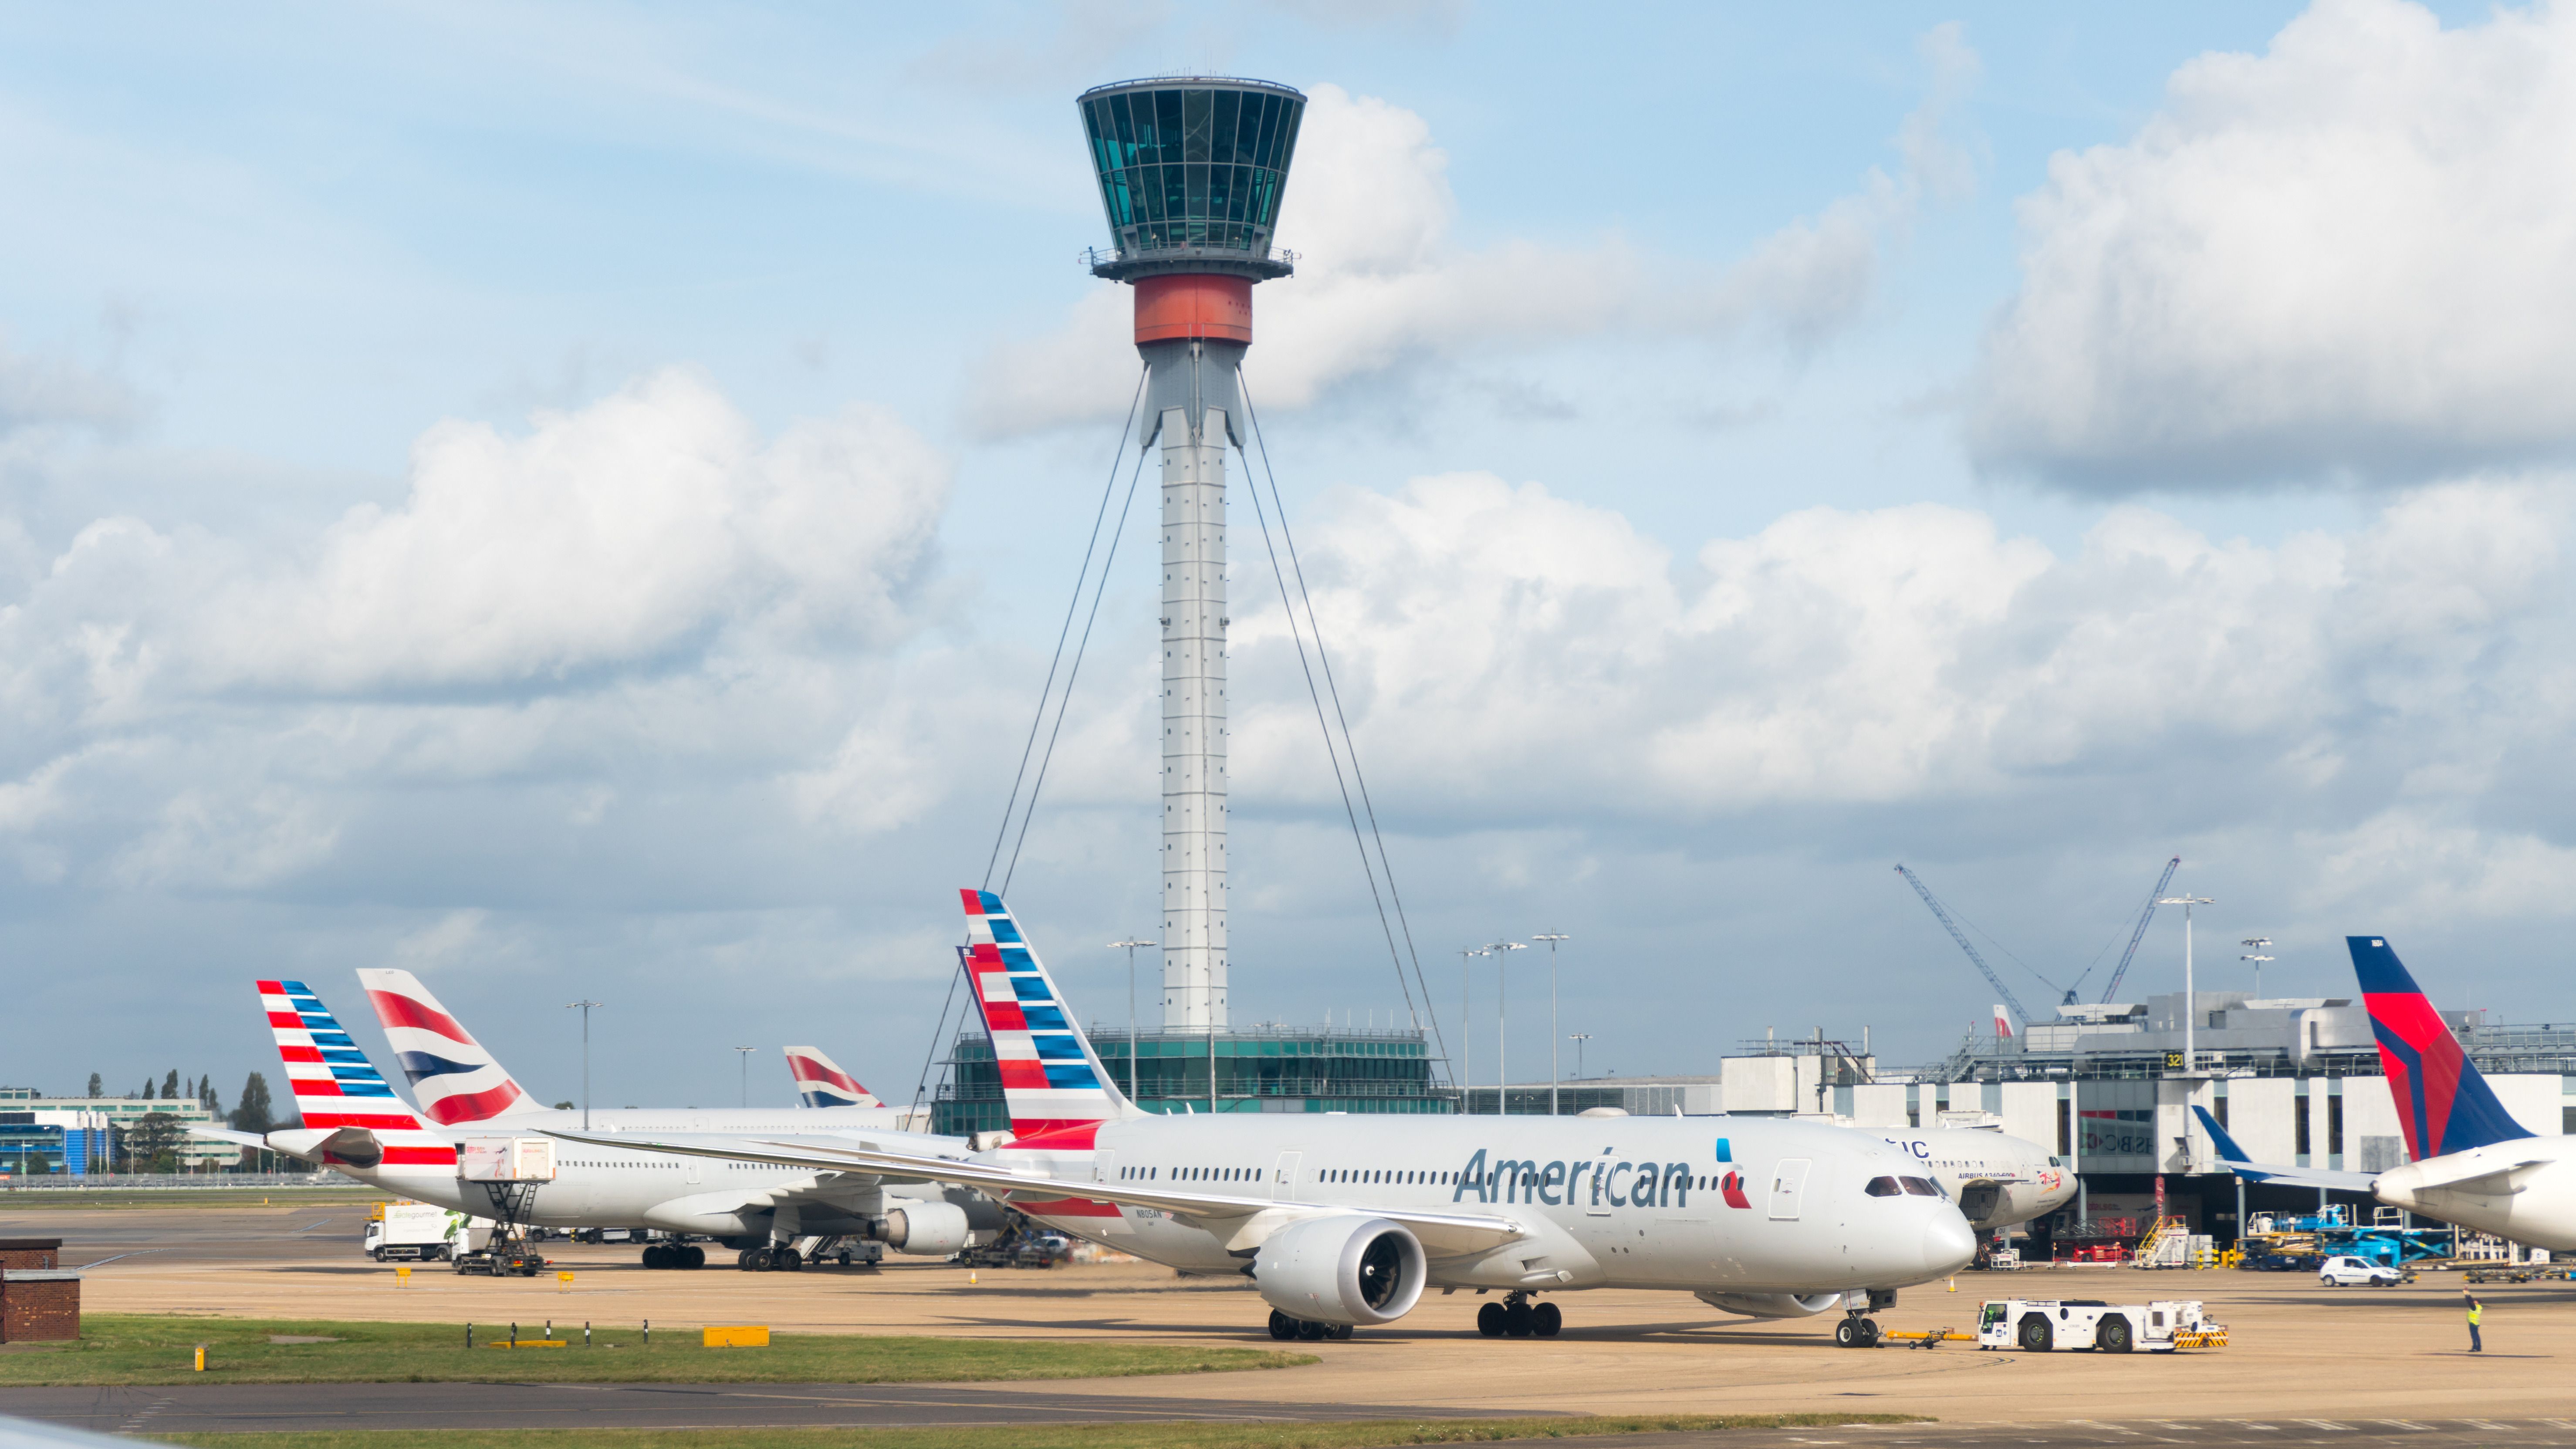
576	501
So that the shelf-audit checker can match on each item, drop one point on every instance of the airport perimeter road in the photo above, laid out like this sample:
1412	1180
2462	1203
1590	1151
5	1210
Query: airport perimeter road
274	1408
2301	1351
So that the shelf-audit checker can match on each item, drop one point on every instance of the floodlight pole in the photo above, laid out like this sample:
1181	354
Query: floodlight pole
1466	1020
1131	943
1554	1043
585	1007
2257	944
1578	1038
2190	1005
1501	952
746	1072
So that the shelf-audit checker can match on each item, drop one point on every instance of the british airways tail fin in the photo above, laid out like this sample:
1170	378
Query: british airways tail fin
349	1110
456	1080
1051	1078
2442	1103
820	1082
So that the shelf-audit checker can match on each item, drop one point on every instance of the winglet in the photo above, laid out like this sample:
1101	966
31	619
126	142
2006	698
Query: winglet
2443	1104
2228	1151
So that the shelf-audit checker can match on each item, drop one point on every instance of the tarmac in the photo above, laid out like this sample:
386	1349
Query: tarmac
2307	1363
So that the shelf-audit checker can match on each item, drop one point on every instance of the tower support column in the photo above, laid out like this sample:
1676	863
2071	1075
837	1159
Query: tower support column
1191	388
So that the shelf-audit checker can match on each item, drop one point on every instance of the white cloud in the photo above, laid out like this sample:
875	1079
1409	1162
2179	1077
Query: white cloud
600	538
37	392
1512	658
1381	282
2344	257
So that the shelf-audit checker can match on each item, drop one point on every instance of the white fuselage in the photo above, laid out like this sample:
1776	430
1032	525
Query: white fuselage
1996	1180
2534	1204
1742	1205
616	1188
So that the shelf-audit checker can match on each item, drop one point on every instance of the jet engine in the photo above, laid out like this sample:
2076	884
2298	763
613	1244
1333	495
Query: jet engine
1351	1270
929	1229
1772	1305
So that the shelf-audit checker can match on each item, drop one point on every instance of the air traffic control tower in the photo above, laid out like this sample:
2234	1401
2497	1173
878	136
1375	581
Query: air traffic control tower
1191	171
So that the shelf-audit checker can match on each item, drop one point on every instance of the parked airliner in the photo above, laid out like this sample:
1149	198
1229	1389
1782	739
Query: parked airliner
354	1123
1345	1221
2471	1163
1998	1180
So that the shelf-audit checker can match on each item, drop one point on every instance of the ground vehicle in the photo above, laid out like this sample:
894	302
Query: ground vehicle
412	1232
2346	1271
2039	1325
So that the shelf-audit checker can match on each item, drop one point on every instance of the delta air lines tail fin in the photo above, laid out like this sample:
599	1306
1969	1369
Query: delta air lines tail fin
1052	1081
350	1111
2442	1103
456	1080
821	1082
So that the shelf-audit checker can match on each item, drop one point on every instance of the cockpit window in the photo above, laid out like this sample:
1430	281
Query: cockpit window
1883	1187
1920	1186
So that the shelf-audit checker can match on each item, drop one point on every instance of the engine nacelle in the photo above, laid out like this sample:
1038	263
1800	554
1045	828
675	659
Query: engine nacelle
928	1229
1772	1305
1351	1270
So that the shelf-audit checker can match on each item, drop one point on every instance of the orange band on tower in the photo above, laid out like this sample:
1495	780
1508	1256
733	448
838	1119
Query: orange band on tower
1193	305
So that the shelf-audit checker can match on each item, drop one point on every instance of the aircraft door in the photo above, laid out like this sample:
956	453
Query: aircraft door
689	1170
1283	1178
1980	1200
1788	1188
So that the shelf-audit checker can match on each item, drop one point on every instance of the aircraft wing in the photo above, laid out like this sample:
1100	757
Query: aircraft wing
1243	1220
2237	1162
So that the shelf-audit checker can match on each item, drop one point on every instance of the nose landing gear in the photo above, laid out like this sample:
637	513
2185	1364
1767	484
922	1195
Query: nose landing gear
1856	1331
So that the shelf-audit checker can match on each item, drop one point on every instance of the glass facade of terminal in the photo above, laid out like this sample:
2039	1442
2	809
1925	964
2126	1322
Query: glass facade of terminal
1192	164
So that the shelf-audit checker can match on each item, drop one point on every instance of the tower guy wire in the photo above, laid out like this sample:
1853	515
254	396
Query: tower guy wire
1071	606
1064	700
1315	627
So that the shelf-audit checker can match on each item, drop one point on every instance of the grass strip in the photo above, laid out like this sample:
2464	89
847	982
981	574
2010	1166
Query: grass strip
45	1200
159	1348
1357	1434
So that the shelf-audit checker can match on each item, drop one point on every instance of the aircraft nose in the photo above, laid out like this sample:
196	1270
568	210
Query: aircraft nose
1948	1245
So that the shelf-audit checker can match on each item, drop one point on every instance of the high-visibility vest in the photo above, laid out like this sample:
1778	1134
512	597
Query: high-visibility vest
2474	1310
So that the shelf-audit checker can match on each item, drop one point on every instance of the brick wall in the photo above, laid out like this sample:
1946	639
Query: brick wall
37	1304
31	1252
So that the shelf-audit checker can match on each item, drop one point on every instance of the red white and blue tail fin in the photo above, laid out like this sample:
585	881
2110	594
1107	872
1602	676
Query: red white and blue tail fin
1051	1078
2442	1103
821	1082
336	1087
456	1080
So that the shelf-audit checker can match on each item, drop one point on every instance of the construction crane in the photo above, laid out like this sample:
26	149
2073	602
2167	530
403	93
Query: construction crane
1961	937
2144	916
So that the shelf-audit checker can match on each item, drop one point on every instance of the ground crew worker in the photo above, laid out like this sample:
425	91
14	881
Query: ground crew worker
2474	1308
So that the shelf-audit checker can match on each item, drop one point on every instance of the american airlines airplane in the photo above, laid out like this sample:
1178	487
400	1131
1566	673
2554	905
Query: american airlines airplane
1346	1221
354	1123
2471	1163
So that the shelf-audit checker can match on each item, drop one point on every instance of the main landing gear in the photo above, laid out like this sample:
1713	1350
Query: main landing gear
1517	1317
675	1255
1856	1331
783	1259
1283	1327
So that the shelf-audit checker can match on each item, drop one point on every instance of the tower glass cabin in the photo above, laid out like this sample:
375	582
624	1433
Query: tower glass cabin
1191	172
